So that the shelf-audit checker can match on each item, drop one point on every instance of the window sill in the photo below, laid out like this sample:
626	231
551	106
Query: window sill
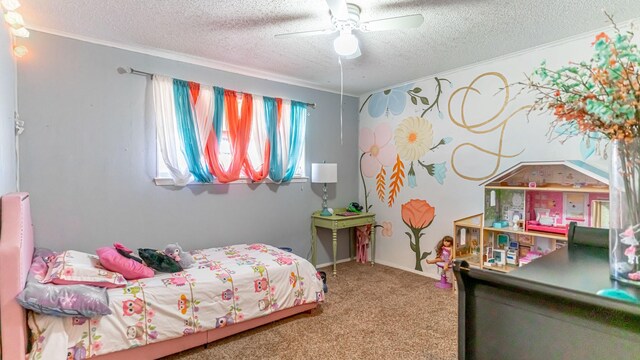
169	181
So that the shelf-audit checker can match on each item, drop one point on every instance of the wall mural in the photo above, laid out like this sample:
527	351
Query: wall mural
419	155
394	100
417	215
493	125
413	139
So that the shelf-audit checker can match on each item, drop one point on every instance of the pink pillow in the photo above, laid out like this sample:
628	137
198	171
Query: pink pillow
129	268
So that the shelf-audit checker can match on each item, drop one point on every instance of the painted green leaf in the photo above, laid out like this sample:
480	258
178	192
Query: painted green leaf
425	254
417	90
414	101
424	100
387	92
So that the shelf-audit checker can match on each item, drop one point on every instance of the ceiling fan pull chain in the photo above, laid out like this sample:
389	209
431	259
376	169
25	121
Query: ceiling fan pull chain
341	93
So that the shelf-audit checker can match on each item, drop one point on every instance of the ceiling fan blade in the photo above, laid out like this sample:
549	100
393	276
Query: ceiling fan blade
400	22
305	33
338	9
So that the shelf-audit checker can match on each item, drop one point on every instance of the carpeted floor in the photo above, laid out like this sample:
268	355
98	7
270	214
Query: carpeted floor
371	313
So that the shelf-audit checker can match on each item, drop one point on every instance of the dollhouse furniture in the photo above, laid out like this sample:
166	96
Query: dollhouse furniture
16	252
467	232
549	309
532	204
336	222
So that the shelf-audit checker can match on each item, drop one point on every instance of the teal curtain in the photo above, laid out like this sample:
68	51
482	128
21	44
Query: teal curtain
275	160
188	131
298	121
218	111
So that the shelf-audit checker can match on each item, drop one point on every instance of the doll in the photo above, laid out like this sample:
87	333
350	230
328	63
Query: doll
443	253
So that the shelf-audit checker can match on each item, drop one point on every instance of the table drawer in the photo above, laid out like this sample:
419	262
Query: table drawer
347	223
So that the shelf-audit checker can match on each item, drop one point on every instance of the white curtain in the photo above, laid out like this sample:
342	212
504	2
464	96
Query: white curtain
258	136
203	112
167	130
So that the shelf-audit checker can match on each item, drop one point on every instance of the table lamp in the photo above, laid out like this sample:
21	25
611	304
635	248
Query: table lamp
326	174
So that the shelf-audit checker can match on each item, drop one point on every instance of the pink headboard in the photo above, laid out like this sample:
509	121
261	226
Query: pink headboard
16	252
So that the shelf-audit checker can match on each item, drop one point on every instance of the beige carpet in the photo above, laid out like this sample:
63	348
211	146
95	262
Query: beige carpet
371	313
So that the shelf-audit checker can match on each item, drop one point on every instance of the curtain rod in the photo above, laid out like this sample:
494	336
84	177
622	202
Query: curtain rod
128	70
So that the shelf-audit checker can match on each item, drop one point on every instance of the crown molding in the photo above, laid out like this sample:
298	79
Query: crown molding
445	73
191	59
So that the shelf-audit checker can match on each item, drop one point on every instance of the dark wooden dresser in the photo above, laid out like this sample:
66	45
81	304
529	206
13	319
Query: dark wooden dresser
548	309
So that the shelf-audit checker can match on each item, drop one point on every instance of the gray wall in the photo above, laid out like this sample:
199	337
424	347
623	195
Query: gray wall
88	157
7	107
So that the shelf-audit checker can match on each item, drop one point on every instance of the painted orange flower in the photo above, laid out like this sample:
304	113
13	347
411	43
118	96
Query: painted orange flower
418	214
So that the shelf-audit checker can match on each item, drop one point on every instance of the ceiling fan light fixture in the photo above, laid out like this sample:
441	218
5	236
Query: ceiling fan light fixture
346	44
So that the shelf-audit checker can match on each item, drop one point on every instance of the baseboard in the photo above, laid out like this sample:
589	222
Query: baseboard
385	263
433	276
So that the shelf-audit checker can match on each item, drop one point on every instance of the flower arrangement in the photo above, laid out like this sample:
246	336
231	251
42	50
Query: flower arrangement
599	98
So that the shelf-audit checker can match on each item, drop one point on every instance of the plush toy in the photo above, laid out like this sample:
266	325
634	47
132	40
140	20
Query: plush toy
159	261
181	257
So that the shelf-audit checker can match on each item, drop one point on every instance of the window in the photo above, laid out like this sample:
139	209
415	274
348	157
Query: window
225	159
183	125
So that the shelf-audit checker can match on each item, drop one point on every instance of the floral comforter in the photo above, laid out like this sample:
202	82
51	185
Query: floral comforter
226	285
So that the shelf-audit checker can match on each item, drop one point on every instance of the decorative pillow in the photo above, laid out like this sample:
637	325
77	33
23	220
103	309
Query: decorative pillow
159	261
126	252
111	259
40	264
60	300
75	267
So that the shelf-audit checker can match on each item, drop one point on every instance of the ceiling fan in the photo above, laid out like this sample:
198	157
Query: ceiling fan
345	17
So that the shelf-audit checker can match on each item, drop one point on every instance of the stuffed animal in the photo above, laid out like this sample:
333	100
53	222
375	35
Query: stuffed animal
181	257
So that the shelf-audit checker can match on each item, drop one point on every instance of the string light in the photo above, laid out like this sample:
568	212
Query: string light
10	5
20	32
15	20
20	50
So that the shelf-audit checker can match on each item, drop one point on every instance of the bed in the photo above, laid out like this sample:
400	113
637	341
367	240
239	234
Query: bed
229	290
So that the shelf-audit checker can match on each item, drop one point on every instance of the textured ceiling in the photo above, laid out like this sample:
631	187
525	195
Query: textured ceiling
241	32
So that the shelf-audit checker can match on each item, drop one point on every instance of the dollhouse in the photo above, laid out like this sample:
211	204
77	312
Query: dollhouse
528	208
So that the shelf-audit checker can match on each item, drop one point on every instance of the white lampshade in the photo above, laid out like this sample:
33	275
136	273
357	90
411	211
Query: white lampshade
324	173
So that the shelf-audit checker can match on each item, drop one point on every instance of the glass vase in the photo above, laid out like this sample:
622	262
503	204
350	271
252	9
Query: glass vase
624	216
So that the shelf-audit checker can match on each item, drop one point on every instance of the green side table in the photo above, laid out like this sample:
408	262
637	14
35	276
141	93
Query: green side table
337	222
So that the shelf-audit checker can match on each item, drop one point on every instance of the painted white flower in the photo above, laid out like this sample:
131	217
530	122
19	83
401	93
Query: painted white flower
413	138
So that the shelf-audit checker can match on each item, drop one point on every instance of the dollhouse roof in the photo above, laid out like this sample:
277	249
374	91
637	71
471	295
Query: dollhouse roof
557	172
